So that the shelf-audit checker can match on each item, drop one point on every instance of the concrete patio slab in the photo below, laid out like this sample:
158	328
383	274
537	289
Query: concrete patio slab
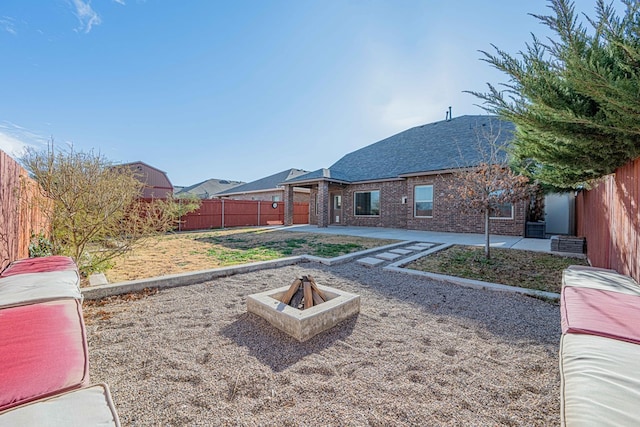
516	242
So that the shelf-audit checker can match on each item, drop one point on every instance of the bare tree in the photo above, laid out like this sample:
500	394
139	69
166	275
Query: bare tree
96	213
490	185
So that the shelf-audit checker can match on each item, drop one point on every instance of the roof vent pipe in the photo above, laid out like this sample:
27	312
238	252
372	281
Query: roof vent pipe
450	116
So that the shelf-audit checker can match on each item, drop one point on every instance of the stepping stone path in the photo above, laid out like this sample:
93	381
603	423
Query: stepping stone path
424	245
388	256
370	262
393	254
420	247
400	251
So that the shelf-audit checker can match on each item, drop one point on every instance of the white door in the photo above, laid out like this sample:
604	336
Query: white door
336	208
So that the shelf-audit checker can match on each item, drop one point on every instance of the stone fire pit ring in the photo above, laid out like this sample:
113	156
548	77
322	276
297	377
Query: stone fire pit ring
304	324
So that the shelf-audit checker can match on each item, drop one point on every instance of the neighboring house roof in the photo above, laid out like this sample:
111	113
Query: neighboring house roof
157	184
272	182
439	146
210	187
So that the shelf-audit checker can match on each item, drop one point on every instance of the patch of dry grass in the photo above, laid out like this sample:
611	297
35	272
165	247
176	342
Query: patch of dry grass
192	251
526	269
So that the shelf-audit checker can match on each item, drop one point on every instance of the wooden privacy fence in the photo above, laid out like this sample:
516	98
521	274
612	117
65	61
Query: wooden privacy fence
223	213
609	217
21	211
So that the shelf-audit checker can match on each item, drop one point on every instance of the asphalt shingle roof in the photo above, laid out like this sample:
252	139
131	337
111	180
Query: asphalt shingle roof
208	188
268	183
443	145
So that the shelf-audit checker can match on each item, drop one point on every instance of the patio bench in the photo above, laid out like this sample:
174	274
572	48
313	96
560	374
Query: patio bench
86	406
44	358
599	348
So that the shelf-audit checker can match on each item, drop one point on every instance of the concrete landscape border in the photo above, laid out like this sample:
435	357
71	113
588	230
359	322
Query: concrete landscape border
469	283
190	278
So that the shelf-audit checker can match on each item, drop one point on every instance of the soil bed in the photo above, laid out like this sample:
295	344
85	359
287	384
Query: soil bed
525	269
419	353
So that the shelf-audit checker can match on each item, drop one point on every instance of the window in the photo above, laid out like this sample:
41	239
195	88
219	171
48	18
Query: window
367	203
275	198
423	201
337	201
501	210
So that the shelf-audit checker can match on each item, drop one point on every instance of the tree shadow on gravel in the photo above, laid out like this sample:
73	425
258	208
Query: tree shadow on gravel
275	348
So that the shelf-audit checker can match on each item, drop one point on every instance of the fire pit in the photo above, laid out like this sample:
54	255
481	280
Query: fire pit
321	307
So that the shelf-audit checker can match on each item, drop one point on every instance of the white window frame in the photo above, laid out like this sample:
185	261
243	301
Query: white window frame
507	203
415	201
355	198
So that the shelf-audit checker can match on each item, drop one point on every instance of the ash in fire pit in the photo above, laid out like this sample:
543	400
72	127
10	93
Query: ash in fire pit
303	293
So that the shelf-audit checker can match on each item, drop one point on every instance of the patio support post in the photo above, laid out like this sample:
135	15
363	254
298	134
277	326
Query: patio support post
288	205
323	204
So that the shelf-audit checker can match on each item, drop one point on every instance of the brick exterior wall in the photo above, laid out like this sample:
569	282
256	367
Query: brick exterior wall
313	198
395	214
288	205
450	219
322	206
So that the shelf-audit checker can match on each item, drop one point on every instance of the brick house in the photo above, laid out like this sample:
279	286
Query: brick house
401	181
269	188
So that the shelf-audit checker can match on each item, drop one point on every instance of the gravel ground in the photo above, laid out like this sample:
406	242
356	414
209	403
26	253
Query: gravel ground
419	353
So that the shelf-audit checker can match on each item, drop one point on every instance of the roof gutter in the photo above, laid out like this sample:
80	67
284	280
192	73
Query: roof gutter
437	172
315	181
372	181
266	190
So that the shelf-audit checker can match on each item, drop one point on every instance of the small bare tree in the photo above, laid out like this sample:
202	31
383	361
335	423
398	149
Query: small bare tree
484	187
96	214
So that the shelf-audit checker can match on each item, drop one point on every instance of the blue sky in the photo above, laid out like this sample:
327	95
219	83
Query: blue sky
243	89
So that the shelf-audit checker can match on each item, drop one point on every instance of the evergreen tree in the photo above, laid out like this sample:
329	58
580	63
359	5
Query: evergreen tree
575	100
